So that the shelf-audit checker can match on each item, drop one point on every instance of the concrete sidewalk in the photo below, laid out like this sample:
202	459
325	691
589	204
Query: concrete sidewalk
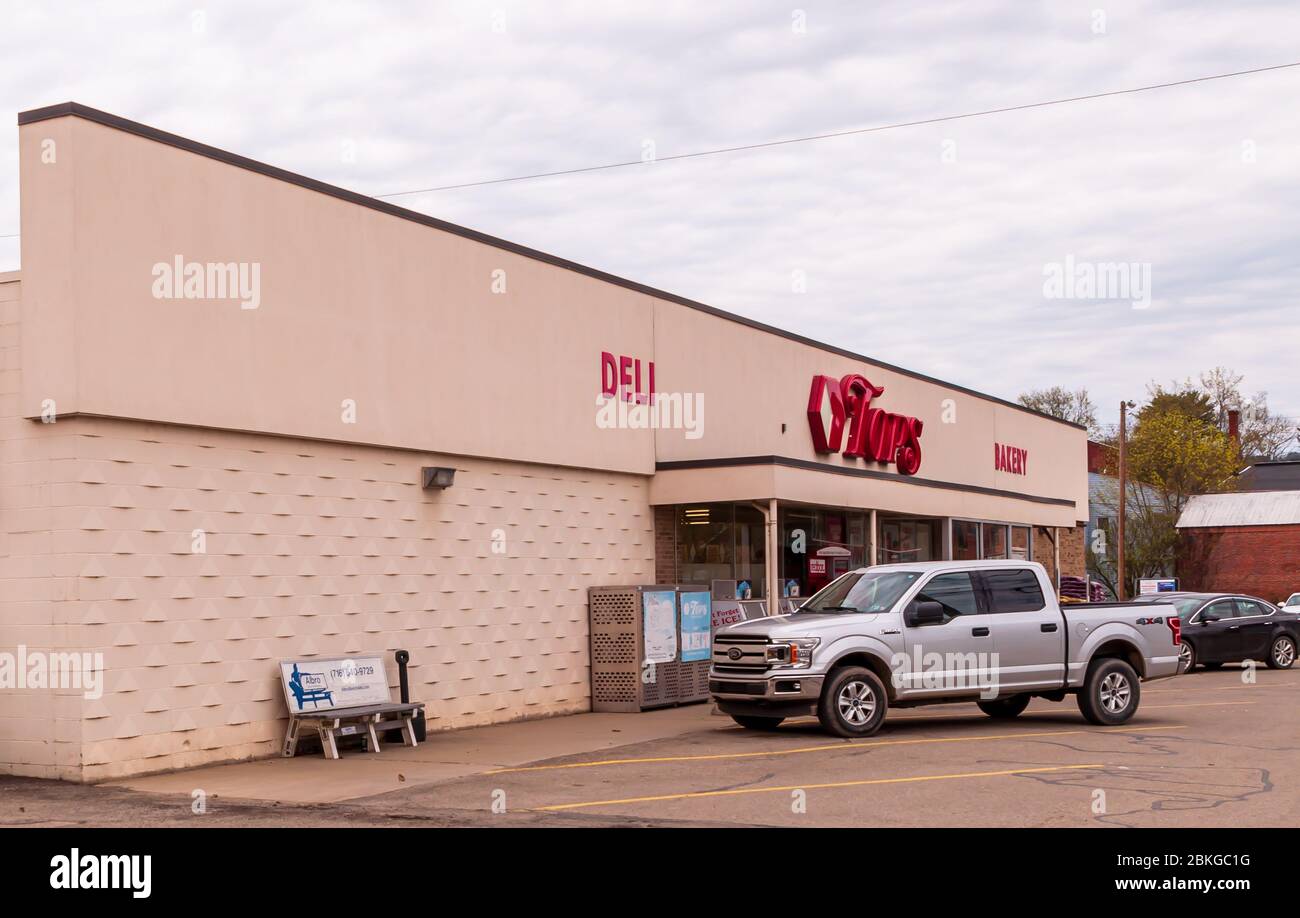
311	778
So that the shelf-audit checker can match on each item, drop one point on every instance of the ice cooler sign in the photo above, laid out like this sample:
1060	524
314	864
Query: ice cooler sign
696	618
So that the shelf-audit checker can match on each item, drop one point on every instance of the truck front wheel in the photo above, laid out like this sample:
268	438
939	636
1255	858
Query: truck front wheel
1110	693
853	702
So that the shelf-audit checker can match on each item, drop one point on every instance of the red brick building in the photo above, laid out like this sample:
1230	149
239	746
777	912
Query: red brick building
1246	542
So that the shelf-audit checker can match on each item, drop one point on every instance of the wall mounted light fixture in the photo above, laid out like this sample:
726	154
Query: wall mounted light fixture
433	477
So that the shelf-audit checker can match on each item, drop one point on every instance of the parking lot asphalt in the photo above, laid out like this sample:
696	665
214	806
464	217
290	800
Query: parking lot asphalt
1205	749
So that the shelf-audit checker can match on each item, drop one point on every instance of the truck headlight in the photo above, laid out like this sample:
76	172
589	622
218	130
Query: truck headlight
795	654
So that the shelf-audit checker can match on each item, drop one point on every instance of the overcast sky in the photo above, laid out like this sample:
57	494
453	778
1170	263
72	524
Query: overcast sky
924	246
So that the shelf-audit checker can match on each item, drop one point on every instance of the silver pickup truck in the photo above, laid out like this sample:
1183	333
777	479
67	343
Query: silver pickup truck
941	631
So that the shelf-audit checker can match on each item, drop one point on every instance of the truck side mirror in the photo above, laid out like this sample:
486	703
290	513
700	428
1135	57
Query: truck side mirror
923	612
1209	617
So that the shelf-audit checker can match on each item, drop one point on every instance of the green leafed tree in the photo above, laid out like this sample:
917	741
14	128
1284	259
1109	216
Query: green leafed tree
1180	456
1180	398
1217	393
1172	456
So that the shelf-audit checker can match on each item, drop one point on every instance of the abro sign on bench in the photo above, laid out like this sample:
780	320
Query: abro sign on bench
323	685
872	433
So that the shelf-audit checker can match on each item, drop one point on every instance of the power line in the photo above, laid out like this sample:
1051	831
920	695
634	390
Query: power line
848	133
833	134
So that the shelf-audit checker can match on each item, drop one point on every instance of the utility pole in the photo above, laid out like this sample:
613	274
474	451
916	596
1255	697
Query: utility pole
1120	583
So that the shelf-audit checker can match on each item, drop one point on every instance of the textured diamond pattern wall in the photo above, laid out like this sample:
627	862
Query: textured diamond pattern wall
307	548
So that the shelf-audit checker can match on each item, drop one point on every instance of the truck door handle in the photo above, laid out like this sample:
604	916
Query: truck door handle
980	632
1234	627
1047	627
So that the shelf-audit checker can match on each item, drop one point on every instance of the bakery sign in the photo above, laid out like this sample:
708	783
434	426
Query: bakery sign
1008	458
842	418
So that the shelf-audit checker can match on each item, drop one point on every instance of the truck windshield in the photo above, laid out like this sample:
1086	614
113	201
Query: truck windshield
873	591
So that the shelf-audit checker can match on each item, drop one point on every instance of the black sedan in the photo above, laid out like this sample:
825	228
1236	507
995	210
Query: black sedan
1220	628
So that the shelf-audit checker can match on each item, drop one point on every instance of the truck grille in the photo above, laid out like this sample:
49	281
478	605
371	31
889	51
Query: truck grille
740	655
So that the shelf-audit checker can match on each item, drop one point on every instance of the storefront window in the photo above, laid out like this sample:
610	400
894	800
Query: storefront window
819	545
1020	543
908	540
751	552
965	540
722	542
705	543
995	541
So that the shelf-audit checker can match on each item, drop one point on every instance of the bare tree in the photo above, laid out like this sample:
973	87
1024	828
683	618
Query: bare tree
1076	407
1262	434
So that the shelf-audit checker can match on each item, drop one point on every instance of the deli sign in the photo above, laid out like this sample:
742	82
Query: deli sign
840	416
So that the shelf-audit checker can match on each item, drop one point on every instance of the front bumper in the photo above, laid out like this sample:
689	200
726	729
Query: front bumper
775	686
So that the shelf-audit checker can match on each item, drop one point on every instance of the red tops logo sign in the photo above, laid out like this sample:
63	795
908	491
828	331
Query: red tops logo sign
1011	459
873	434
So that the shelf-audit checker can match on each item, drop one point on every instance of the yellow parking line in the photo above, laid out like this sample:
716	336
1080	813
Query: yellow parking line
1219	688
1041	711
793	787
825	747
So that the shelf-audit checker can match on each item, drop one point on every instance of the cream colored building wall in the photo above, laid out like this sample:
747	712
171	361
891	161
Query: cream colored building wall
753	382
400	318
316	549
40	729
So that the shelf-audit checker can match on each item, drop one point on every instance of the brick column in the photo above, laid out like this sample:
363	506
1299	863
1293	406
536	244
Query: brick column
665	544
1073	558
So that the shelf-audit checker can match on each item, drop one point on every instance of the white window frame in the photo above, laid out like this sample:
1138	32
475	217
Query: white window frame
979	536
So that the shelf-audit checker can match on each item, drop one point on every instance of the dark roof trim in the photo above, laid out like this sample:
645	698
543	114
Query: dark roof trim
65	109
813	465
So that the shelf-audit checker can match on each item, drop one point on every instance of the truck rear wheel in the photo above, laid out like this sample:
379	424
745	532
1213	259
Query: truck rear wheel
1110	692
754	722
1005	708
853	702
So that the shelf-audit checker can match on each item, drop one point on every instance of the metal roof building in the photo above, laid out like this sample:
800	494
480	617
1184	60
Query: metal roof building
1244	508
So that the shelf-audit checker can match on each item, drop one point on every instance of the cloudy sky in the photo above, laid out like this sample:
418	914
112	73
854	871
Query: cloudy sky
925	246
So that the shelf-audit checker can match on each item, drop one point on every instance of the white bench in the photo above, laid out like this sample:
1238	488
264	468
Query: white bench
341	698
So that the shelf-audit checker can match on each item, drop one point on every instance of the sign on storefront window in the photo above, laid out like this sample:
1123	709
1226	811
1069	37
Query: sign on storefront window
659	608
696	619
